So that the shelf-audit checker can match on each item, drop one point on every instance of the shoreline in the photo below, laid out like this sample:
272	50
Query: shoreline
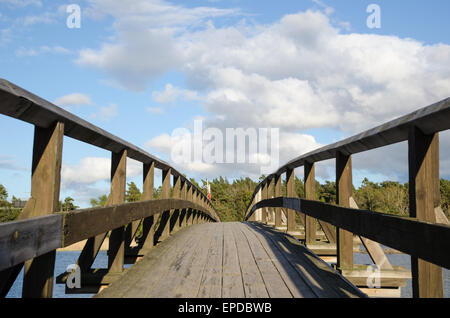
78	247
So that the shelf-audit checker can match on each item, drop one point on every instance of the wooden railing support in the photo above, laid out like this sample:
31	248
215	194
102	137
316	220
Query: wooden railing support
424	197
344	190
116	250
45	186
310	194
290	192
278	222
148	224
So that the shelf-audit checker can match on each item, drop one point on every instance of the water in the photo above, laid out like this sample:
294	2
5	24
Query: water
64	259
404	260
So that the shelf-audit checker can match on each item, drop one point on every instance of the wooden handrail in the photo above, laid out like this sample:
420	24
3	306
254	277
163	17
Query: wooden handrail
431	119
25	239
18	103
427	241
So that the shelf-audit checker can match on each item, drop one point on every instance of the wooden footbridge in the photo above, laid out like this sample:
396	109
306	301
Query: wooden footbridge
279	250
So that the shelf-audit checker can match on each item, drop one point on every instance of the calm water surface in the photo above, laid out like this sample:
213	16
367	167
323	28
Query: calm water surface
64	259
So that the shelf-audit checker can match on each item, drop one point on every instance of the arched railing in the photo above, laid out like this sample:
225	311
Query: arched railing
424	234
31	242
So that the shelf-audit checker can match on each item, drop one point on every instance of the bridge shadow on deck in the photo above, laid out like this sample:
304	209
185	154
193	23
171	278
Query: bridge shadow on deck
231	260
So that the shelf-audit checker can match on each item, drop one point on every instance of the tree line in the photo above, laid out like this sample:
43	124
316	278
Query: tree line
231	198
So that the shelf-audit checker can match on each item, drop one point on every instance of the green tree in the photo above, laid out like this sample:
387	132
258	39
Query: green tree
100	201
3	196
68	204
133	193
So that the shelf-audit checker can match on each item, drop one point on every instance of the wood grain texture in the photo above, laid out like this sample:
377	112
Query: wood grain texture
230	260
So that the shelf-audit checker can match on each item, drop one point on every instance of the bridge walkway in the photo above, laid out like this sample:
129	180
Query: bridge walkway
230	260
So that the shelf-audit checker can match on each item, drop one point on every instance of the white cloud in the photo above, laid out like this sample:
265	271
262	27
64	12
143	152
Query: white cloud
94	169
74	99
106	113
295	74
171	94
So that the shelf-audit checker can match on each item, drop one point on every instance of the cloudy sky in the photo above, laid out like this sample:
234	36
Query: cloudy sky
141	69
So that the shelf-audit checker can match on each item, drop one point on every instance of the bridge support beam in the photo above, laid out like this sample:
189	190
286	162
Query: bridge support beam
148	224
45	186
175	215
270	193
116	250
290	192
264	197
310	194
424	197
278	221
344	188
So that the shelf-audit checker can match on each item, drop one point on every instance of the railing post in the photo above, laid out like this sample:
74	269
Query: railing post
270	212
253	216
116	251
424	196
45	186
183	212
310	194
344	190
164	222
148	224
278	222
176	194
189	212
264	194
290	191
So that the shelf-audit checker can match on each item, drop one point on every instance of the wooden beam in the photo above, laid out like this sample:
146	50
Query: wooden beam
25	239
264	194
45	186
116	251
164	221
175	214
424	196
310	194
290	192
344	188
270	195
278	222
408	235
148	224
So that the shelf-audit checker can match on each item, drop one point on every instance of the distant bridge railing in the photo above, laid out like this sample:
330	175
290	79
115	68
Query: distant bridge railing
424	234
31	242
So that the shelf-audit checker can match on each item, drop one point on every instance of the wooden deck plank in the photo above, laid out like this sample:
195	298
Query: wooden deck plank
125	286
232	286
274	283
191	274
211	283
293	280
230	260
254	286
327	281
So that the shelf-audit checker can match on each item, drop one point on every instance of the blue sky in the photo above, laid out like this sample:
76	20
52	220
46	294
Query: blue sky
140	69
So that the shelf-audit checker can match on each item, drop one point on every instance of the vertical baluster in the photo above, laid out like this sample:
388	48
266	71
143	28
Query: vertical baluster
290	192
45	186
310	194
424	196
117	196
344	190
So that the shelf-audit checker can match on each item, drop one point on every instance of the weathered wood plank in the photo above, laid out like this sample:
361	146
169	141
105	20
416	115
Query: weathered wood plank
211	283
424	196
274	283
141	276
310	194
254	286
425	240
45	186
232	286
25	239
